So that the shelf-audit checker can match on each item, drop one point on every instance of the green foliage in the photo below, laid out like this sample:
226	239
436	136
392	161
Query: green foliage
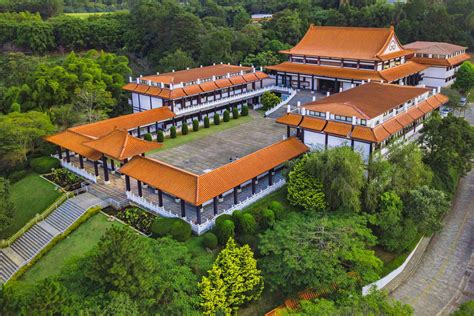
210	240
322	251
465	309
195	125
465	77
224	230
207	124
50	295
36	36
15	107
137	218
177	60
235	113
246	224
148	137
44	165
454	97
217	119
277	209
69	32
269	100
245	110
389	221
234	280
174	227
160	136
173	132
303	189
268	218
184	128
64	178
226	116
7	209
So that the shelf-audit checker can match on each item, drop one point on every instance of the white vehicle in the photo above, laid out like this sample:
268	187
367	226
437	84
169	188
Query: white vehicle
445	111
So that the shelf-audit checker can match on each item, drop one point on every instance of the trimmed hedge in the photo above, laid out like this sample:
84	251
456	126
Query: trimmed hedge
195	125
278	209
235	113
267	218
224	230
210	240
148	137
224	217
184	129
247	224
217	119
16	176
174	227
245	110
226	116
173	132
207	124
160	136
44	164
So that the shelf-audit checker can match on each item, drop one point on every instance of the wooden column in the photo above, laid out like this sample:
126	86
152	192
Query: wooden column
81	161
214	205
276	80
160	198
68	156
198	213
140	191
236	195
96	168
299	81
270	177
254	185
60	153
106	170
287	131
112	165
127	183
183	208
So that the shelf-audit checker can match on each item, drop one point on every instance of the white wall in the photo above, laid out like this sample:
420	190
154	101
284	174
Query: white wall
314	140
145	103
156	103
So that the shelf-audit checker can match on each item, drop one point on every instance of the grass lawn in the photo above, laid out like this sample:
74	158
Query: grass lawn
202	132
77	244
85	15
31	195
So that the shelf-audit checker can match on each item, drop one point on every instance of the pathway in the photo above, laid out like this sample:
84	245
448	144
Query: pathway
25	248
302	96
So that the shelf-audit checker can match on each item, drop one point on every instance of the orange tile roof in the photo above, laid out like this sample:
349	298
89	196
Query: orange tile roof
404	119
237	80
337	128
446	62
401	71
208	86
290	119
392	126
120	145
74	142
415	113
370	99
313	123
197	189
344	42
223	83
129	121
434	47
191	90
250	77
425	107
343	108
441	98
374	135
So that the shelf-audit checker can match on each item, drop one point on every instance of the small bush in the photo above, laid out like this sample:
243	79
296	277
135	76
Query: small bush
44	164
184	129
15	107
173	132
160	136
174	227
226	116
207	124
210	240
224	230
16	176
224	217
236	215
235	113
277	209
245	110
217	119
247	224
250	240
267	218
195	125
148	137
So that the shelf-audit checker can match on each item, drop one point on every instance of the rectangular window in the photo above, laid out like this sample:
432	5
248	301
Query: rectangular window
363	122
371	67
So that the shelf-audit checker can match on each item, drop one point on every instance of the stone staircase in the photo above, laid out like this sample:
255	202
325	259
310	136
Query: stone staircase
25	248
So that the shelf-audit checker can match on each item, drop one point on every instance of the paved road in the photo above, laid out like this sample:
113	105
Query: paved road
444	277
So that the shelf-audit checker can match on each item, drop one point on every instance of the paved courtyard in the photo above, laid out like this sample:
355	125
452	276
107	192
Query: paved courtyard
213	151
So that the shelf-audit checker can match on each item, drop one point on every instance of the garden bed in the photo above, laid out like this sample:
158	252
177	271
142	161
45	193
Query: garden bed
64	178
136	217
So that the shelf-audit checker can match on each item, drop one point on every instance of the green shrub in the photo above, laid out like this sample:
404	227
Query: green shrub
236	215
15	107
235	113
195	125
210	240
174	227
267	218
16	176
250	240
226	116
224	230
184	128
245	110
148	137
224	217
277	209
173	132
44	164
217	119
247	224
160	136
207	124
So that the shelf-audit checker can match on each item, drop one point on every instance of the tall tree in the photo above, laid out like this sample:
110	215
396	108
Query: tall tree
7	209
465	77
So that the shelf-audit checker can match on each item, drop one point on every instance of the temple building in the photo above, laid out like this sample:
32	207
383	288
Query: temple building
443	61
202	90
333	59
367	117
